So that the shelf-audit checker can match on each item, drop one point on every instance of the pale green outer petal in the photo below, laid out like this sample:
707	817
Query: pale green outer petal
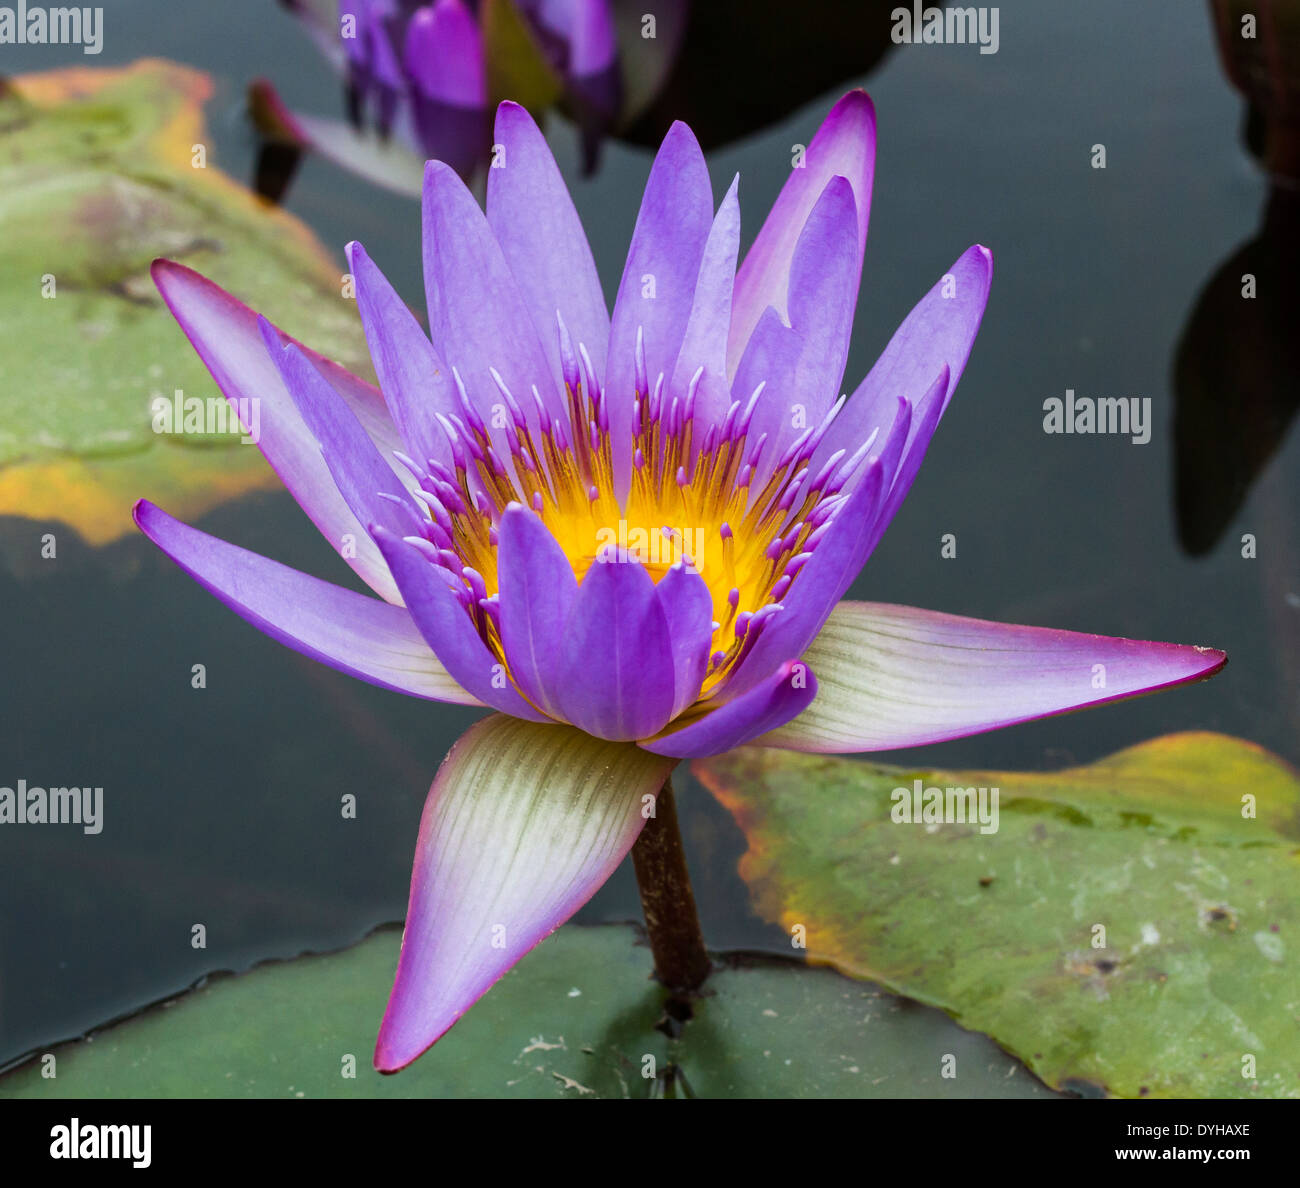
895	676
523	824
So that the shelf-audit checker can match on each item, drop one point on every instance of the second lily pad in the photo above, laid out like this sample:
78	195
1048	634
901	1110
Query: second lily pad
578	1017
1130	927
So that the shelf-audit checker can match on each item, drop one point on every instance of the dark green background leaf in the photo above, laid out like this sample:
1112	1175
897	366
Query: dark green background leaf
576	1018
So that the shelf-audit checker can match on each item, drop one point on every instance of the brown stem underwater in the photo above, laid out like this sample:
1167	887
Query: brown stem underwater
673	925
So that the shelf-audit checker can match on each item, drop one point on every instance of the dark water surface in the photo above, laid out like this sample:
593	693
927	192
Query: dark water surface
222	806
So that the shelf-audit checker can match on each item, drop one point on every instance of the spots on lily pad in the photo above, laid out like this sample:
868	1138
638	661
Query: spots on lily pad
1270	944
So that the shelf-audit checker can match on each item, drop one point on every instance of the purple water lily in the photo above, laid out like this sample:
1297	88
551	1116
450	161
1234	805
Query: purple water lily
417	72
629	535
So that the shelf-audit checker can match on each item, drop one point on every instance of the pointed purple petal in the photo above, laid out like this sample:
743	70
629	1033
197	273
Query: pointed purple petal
845	145
416	383
802	363
448	630
616	677
522	825
658	285
532	216
366	481
920	432
478	319
704	341
783	695
836	561
940	330
688	607
819	586
896	676
348	631
537	593
225	334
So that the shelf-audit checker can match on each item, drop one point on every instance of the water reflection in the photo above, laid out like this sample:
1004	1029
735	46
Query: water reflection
734	49
421	78
409	96
1235	366
1235	372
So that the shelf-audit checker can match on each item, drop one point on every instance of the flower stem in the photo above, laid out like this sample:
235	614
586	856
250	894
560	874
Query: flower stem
681	961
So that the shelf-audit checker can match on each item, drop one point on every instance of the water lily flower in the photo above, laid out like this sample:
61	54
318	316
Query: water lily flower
419	73
629	534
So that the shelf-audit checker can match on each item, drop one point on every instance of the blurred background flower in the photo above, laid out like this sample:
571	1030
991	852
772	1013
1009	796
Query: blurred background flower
421	78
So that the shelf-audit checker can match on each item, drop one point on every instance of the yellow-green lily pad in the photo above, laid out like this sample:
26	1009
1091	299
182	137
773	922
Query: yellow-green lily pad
101	171
1131	927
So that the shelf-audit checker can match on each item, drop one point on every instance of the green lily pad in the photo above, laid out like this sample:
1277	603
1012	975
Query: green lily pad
1130	928
102	170
576	1018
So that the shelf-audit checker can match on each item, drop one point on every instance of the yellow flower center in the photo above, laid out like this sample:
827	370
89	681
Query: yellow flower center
691	500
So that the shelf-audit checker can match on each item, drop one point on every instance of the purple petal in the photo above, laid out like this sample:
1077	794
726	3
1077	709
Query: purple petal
688	607
704	341
448	630
537	593
940	330
616	678
356	634
783	695
845	146
225	334
919	433
532	216
478	318
836	561
658	285
896	676
360	473
522	825
593	46
356	14
415	382
802	364
444	55
819	586
373	47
